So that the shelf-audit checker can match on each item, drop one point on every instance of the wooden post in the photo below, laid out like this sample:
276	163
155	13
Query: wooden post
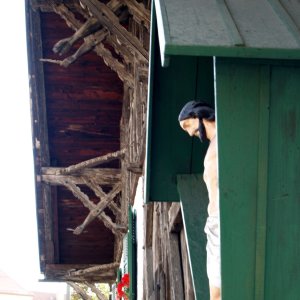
186	271
175	272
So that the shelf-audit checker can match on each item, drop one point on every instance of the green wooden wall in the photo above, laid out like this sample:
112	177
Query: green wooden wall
170	150
194	201
258	119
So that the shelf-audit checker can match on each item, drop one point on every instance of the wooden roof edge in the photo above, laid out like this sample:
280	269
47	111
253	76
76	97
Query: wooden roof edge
232	37
104	273
39	131
37	87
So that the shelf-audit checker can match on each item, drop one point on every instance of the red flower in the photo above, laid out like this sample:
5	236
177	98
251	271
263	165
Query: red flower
125	280
123	288
120	289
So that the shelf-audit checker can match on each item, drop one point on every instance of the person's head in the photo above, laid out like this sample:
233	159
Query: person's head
191	118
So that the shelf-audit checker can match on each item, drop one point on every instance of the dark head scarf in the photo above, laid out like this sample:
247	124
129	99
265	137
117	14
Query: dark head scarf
200	110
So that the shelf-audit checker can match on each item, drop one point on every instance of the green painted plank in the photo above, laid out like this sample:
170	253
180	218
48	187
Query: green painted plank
283	235
238	115
194	201
242	52
262	178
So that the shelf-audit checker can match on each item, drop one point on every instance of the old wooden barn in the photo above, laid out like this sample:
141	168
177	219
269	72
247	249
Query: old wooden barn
119	186
88	64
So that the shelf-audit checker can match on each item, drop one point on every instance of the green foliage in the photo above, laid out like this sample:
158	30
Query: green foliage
104	288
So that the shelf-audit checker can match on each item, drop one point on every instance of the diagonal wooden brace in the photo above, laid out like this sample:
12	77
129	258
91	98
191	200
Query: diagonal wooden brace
79	290
100	194
99	208
97	291
116	229
93	162
139	12
109	20
75	24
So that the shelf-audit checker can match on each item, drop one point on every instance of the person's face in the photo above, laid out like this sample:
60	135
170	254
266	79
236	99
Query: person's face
191	126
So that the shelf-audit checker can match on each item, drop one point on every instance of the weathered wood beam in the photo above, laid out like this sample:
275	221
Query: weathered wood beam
89	182
39	132
111	39
136	168
186	270
116	229
174	263
87	46
114	5
148	219
109	277
118	248
96	291
98	273
95	269
46	6
90	26
103	176
83	176
139	12
48	225
175	217
80	291
120	48
109	20
99	208
94	162
114	64
99	36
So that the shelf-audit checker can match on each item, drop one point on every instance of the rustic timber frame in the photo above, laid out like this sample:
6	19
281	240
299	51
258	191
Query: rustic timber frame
167	273
118	32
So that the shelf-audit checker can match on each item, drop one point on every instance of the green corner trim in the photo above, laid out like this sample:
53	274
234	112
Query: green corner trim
194	201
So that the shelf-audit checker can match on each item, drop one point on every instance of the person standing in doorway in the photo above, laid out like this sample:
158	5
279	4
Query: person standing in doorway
198	119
